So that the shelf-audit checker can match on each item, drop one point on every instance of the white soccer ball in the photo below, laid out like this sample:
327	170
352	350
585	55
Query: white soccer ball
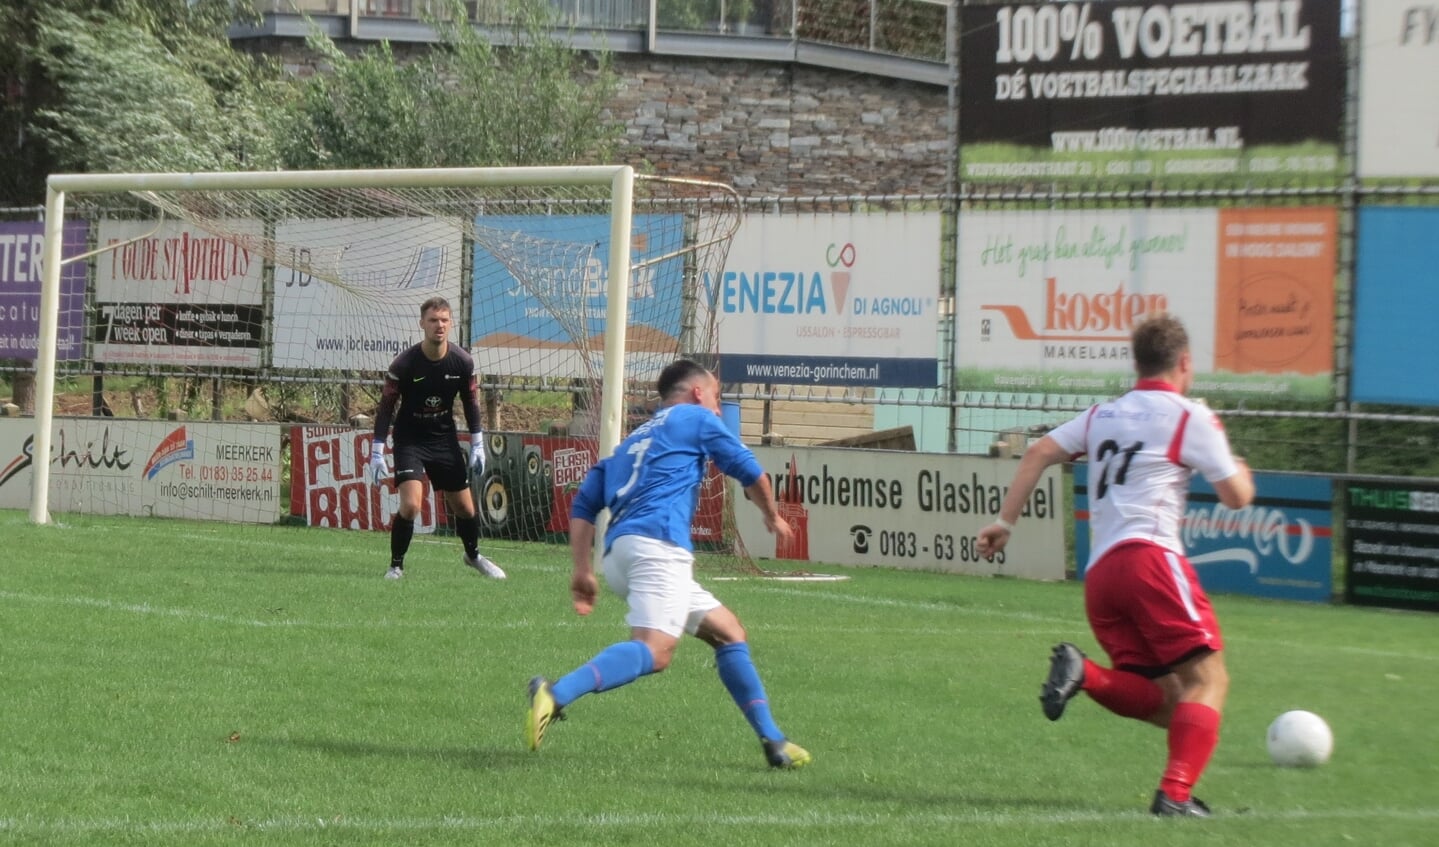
1299	739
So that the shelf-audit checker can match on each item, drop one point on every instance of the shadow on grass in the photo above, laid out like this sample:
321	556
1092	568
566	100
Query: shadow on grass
470	757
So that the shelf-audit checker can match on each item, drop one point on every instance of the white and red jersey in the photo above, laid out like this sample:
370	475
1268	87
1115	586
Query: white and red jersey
1143	447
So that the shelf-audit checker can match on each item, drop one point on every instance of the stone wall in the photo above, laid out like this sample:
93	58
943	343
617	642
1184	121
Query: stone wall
768	129
787	130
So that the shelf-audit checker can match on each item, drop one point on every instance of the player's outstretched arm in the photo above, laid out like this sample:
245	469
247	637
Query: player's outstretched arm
1040	455
761	493
1236	491
584	512
584	588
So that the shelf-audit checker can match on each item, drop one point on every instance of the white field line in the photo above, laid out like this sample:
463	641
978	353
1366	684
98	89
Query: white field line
840	596
1077	624
381	545
470	624
692	822
826	594
272	623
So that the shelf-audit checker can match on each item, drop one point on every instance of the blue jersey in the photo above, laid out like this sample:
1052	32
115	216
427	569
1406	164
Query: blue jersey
652	482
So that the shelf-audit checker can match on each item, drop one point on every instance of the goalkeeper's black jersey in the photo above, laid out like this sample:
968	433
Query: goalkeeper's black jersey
425	392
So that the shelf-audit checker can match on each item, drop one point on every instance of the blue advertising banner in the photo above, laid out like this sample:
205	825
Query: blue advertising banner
1280	546
21	247
553	321
1395	300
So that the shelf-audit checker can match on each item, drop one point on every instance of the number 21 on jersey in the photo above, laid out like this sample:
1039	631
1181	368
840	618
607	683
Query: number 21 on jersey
1113	464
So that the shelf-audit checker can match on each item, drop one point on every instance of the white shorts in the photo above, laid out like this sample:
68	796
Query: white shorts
657	579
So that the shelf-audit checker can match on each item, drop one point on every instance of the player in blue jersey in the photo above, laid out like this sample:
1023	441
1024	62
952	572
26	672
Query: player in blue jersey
650	486
419	395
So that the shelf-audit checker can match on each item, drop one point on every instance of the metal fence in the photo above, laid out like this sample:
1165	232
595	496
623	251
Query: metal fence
909	28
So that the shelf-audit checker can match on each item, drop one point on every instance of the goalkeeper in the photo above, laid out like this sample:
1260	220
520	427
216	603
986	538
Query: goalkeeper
419	396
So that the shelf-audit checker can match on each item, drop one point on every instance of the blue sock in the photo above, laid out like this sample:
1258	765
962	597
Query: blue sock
616	665
736	671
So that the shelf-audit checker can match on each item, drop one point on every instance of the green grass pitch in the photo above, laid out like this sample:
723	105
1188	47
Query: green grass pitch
172	683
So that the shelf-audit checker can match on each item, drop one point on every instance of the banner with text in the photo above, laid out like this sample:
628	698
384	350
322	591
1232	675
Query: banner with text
526	491
1393	533
1395	300
21	251
349	298
106	466
175	294
17	474
539	294
1399	89
831	300
1216	90
1279	546
330	484
905	510
566	461
1046	301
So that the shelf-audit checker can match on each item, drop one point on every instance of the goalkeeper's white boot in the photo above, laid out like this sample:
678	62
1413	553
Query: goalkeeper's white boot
395	572
484	566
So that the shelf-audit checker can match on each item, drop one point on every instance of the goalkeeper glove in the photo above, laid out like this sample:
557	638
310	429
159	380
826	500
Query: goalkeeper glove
378	469
477	453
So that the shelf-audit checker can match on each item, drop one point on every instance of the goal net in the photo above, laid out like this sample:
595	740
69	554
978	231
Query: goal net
212	346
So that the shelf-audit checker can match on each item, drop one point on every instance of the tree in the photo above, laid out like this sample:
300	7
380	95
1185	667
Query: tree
128	85
465	103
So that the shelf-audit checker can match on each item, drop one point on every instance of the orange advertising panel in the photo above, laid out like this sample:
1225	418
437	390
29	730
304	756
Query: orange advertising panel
1274	302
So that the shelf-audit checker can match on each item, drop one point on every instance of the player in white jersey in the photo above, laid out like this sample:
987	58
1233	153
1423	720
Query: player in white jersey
1143	599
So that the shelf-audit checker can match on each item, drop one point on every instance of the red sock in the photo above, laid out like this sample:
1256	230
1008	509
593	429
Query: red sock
1193	735
1126	694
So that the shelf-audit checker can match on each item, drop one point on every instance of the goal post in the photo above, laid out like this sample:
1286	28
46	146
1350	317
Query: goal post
619	179
282	297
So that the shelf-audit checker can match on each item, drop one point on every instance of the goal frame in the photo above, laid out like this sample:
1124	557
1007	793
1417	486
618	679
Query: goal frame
619	178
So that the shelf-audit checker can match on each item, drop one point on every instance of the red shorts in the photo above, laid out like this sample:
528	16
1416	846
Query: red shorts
1147	609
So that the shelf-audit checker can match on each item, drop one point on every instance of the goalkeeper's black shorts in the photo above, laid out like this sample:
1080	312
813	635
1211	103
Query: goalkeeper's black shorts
442	460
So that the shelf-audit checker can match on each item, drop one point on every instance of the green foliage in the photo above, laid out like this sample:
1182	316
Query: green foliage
132	86
700	14
154	85
1322	445
903	27
132	103
466	103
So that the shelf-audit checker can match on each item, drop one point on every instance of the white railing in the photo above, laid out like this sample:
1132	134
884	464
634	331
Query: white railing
910	28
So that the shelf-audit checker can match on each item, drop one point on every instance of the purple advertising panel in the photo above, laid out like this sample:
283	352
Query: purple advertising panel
22	246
